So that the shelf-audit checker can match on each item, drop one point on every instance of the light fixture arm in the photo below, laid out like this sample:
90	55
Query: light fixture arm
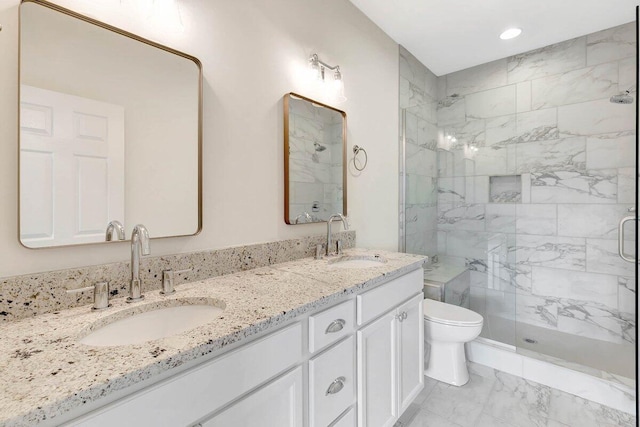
321	66
315	61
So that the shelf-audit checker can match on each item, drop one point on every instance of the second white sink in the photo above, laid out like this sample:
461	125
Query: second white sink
151	325
357	261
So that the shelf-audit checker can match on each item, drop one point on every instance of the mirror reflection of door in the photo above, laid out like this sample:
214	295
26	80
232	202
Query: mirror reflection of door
71	167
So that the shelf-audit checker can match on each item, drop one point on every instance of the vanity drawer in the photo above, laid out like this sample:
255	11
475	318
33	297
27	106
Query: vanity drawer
390	295
332	383
331	325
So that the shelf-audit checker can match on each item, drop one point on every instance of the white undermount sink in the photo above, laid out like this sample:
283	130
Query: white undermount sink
152	324
357	261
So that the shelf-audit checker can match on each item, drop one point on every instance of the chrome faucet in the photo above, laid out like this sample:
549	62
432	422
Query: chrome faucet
114	226
139	246
329	221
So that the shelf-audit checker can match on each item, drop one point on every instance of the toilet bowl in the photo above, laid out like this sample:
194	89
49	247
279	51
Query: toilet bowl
446	328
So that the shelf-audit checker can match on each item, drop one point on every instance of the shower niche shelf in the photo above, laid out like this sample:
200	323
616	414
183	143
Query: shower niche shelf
505	189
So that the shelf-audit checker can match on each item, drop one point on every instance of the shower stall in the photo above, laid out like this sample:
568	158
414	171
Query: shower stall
520	171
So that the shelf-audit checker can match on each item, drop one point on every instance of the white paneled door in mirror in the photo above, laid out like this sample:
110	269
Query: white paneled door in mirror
71	167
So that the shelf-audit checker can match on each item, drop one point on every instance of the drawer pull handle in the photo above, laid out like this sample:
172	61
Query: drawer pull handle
335	326
336	386
402	316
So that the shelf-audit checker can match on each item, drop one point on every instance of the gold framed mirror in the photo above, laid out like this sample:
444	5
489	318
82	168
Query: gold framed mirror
110	131
315	168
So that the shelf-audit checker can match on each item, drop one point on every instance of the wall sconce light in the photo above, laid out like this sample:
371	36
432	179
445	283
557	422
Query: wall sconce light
333	88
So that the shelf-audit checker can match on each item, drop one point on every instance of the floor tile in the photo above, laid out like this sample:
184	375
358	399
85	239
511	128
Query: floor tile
496	399
429	419
573	410
519	402
461	405
488	421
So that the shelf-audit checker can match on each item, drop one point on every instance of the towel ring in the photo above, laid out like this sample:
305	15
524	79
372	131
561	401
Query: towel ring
356	151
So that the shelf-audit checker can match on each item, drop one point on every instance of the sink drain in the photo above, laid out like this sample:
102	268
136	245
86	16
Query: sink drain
529	340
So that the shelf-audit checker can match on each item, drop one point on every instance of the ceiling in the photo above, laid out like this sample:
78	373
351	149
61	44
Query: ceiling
451	35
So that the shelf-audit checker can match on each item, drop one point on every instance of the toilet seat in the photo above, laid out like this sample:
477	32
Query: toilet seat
448	314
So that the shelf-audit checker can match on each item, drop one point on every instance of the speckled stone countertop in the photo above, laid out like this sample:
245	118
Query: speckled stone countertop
46	372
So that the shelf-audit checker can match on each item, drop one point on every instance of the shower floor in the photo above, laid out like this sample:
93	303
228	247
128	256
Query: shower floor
600	358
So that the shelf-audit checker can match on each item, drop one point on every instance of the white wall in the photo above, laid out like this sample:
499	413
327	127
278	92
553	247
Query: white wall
252	53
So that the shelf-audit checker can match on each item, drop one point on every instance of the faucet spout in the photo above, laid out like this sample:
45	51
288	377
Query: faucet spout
114	226
329	221
139	247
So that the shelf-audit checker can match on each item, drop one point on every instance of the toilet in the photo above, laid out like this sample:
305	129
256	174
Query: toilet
446	328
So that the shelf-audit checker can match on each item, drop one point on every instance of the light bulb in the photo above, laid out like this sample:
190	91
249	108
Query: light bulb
510	33
336	88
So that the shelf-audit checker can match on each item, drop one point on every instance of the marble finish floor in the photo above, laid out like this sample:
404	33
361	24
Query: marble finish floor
497	399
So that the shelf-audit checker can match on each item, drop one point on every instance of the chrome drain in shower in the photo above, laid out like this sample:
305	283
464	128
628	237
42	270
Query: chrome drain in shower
529	340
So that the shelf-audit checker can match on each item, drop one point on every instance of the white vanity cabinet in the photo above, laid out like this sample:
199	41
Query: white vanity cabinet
358	362
390	350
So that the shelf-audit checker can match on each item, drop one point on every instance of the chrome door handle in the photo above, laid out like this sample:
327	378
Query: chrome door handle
402	316
336	386
335	326
621	252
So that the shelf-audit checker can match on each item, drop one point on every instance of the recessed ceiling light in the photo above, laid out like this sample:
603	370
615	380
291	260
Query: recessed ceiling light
510	33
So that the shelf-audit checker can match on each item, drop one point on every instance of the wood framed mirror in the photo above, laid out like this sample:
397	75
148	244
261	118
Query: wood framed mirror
110	130
315	171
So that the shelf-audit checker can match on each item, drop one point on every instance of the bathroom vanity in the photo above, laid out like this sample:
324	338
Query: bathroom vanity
305	343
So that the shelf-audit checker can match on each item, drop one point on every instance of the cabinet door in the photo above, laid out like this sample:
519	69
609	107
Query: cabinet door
377	372
279	404
410	351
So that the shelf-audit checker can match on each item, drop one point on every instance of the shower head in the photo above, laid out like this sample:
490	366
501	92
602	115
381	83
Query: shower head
623	98
319	147
449	100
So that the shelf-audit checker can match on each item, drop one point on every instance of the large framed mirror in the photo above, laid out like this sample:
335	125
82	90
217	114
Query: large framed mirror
110	132
315	172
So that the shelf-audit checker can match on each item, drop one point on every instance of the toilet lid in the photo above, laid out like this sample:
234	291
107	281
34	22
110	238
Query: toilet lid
449	314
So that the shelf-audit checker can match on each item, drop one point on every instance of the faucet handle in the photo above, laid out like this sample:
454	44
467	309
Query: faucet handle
319	251
100	294
339	247
168	277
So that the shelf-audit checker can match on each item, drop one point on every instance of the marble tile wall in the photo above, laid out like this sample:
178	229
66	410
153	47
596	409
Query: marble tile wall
418	98
37	293
550	257
315	176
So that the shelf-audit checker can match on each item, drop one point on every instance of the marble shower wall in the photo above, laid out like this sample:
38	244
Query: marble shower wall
418	98
548	255
315	174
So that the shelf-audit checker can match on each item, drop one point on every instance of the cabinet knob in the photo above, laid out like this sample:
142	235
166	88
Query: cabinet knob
402	316
335	326
336	386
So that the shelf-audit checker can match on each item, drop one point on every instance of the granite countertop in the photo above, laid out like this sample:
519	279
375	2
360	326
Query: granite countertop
47	373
